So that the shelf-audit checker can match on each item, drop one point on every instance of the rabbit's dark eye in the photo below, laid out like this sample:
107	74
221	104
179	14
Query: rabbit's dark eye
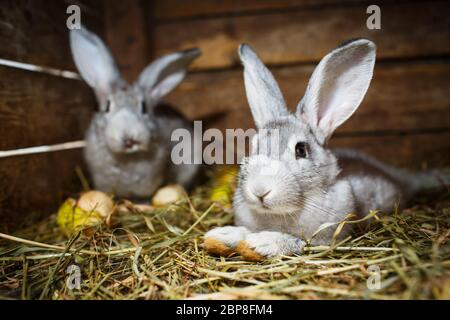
108	105
143	107
301	150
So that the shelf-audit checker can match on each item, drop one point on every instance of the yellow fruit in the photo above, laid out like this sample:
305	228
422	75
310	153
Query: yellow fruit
168	195
72	219
92	209
222	191
221	194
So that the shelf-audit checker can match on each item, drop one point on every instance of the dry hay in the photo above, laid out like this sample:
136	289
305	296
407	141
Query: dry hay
157	254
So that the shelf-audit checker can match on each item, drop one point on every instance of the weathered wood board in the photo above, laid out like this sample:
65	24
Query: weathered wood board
176	9
35	31
39	109
127	35
412	29
33	187
411	150
402	96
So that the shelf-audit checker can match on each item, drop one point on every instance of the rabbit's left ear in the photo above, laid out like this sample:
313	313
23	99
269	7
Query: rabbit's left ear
337	87
166	73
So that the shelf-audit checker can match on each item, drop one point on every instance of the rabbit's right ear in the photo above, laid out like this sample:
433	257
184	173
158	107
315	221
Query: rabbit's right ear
94	61
337	87
165	74
263	94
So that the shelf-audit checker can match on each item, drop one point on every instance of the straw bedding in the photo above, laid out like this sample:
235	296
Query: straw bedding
157	253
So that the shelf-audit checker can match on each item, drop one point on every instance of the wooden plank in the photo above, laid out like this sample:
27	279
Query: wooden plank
408	30
172	9
33	187
93	8
38	109
35	31
422	150
402	96
127	35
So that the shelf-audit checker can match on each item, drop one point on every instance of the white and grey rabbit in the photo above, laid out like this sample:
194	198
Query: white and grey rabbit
129	140
289	188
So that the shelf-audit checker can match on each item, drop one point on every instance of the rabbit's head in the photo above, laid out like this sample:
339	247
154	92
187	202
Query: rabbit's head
125	119
289	160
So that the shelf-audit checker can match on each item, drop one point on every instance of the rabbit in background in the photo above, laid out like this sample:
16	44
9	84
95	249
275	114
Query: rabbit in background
288	189
129	140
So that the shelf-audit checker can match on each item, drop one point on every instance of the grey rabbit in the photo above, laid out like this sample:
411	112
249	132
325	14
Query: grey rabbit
288	189
129	140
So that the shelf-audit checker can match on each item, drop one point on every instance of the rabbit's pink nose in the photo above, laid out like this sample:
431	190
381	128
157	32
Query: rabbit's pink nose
129	143
262	195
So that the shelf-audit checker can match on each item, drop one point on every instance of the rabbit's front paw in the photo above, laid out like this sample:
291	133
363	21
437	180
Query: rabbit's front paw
268	244
223	241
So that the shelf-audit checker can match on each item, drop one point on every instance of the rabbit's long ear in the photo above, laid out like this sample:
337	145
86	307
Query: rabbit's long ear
165	74
94	61
263	94
338	86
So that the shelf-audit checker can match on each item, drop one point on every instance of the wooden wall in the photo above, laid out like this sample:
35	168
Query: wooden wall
37	108
405	117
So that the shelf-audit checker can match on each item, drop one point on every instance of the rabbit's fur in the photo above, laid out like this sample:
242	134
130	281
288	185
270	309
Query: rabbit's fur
129	140
288	189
